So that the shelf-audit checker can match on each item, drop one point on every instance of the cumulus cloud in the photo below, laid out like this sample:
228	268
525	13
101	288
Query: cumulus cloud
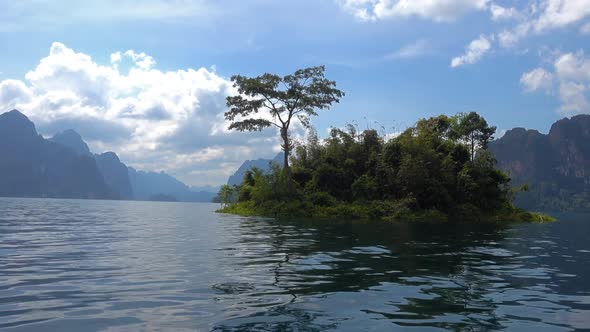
573	67
570	78
560	13
141	60
537	79
436	10
154	119
14	92
473	52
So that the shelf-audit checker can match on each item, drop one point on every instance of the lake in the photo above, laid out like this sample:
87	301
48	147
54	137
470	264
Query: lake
72	265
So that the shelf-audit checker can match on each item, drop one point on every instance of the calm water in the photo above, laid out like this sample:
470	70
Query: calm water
71	265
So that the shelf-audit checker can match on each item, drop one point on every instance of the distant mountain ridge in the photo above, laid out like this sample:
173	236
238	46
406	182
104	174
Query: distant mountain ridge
262	164
151	185
113	170
31	166
72	140
115	174
63	166
556	166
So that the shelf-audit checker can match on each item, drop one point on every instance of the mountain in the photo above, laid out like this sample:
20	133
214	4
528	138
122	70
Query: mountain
31	166
209	189
556	166
127	183
115	174
72	140
112	169
151	186
262	164
63	166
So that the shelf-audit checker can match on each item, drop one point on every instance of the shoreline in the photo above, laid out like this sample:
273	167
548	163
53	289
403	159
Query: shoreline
369	211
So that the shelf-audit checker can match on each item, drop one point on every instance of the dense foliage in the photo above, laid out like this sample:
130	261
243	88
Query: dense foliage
430	171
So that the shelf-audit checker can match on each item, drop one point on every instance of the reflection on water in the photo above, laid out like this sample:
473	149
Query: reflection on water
99	265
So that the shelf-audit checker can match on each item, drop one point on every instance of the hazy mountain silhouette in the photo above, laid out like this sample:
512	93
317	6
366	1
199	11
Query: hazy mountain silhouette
112	169
31	166
207	188
72	140
115	174
152	186
64	166
556	165
262	164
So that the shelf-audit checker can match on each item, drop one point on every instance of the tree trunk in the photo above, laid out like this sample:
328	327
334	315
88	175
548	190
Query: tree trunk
472	148
286	159
287	151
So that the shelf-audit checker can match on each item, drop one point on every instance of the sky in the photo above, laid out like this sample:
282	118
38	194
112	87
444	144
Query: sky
148	79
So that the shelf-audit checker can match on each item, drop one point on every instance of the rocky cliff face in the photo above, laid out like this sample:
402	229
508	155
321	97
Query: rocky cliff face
556	165
570	143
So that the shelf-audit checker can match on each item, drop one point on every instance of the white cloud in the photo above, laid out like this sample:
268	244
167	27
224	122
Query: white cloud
560	13
473	52
570	77
509	38
436	10
415	49
573	67
500	13
154	119
14	92
574	98
140	60
546	15
537	79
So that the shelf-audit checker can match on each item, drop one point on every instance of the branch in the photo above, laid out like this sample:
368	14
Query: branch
252	125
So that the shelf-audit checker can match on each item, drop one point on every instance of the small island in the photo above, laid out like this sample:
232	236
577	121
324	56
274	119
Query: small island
430	172
440	169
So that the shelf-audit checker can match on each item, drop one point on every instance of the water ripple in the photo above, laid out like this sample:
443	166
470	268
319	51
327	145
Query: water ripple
69	265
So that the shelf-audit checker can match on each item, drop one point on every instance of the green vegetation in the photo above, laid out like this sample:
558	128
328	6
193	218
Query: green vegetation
284	99
437	170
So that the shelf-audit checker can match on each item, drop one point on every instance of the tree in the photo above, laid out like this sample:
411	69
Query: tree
474	130
298	95
226	195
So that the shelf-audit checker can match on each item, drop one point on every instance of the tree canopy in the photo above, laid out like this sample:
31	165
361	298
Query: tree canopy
474	130
296	96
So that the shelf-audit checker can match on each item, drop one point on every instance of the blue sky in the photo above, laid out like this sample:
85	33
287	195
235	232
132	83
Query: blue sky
147	79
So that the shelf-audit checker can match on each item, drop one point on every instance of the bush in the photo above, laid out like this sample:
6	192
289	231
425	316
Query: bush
321	199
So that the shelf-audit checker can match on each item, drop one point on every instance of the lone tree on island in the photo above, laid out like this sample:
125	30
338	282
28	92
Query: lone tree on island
298	95
474	130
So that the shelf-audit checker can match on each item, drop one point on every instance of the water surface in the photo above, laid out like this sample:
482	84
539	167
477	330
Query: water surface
70	265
